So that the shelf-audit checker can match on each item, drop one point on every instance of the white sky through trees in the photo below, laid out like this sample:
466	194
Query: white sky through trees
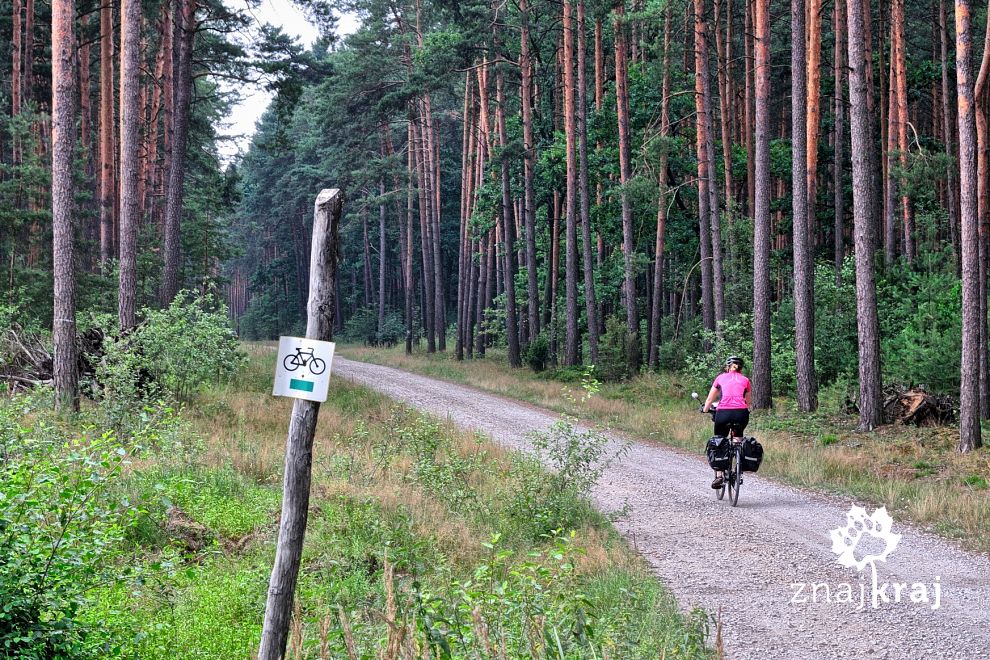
239	125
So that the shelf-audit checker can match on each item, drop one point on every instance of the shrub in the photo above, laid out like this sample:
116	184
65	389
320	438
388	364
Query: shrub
362	327
176	351
59	525
613	362
537	354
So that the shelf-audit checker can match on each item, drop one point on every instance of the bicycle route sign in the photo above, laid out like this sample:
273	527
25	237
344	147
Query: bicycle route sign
303	368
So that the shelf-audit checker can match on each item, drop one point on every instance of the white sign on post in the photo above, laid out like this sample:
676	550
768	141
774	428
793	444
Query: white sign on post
303	368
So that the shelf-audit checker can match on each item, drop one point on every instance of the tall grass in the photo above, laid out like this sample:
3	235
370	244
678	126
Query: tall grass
913	472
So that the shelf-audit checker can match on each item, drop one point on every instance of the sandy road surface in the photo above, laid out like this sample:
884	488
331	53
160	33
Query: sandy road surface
746	559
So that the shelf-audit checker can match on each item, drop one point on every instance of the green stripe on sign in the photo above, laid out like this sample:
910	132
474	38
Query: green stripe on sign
302	385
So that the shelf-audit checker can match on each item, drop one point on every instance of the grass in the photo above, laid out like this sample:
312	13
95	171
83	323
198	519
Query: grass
418	534
915	472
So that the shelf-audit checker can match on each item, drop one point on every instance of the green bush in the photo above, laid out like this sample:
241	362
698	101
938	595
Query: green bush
60	524
537	354
362	327
175	351
613	354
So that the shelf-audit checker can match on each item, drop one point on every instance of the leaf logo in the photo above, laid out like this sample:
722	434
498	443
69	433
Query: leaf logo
846	539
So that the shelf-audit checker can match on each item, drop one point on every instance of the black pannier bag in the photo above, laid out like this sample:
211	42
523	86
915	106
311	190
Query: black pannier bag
719	451
752	455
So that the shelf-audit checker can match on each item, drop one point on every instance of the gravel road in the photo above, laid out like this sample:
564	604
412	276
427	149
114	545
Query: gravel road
747	560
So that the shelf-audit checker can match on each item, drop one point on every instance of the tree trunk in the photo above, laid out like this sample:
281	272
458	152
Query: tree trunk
431	166
870	411
801	174
106	133
382	260
508	228
813	100
28	79
429	298
573	338
656	307
463	251
64	364
982	98
410	286
900	94
761	225
709	289
948	122
969	393
185	31
625	174
529	193
130	124
16	83
839	125
750	111
590	299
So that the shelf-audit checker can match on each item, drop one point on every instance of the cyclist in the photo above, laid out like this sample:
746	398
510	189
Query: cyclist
734	391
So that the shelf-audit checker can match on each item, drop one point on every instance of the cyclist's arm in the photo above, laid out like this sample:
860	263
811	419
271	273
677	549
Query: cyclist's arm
711	397
749	398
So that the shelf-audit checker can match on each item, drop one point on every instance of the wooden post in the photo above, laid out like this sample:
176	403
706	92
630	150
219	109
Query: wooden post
302	426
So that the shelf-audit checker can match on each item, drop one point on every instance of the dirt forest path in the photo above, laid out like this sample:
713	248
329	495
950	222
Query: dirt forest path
747	560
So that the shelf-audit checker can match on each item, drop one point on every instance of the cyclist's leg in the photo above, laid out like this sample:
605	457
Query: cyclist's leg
722	423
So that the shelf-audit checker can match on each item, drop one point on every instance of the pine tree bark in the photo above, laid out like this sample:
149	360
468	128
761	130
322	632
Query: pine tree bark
508	228
410	286
870	411
590	298
28	79
813	100
382	258
185	30
658	265
130	137
839	140
625	174
900	95
890	184
713	309
969	392
572	336
106	133
948	122
750	120
426	249
463	252
761	225
64	364
982	98
16	83
801	174
529	193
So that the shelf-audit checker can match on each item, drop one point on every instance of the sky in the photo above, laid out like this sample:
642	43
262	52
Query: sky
240	123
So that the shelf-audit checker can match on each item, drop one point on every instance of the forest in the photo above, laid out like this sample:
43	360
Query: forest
631	186
586	206
585	183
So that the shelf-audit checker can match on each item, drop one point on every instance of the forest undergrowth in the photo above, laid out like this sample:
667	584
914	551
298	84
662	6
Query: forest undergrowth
423	541
915	472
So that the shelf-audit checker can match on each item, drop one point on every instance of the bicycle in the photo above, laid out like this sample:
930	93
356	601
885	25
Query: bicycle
732	479
305	358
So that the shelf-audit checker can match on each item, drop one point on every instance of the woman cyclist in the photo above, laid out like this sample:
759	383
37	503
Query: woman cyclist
734	391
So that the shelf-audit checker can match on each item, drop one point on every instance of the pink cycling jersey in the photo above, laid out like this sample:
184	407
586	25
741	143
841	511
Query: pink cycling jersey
733	386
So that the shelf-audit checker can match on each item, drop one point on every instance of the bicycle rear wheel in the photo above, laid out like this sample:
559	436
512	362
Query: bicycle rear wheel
735	477
720	492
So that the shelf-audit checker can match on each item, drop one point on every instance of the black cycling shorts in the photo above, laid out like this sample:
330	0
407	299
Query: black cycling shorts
723	418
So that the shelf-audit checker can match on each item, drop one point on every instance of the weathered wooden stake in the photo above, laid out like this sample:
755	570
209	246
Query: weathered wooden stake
302	426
